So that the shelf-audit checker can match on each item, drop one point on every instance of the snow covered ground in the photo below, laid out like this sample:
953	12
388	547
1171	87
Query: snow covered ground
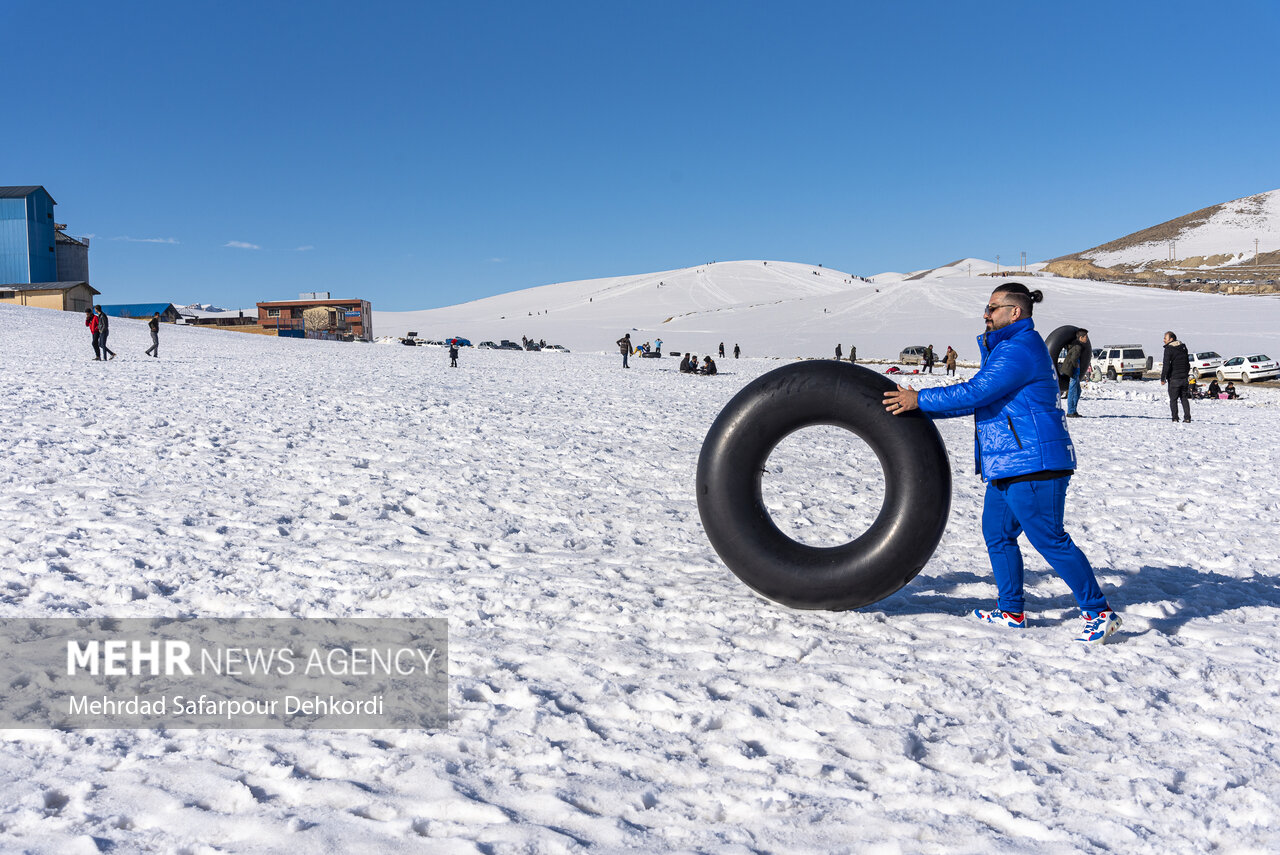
613	687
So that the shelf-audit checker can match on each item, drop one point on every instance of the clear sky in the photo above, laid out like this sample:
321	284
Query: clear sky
424	154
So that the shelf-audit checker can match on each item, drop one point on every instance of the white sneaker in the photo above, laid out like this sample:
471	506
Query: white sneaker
1098	626
1001	618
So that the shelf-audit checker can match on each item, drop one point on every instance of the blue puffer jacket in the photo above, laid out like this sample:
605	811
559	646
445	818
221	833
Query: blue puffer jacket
1014	401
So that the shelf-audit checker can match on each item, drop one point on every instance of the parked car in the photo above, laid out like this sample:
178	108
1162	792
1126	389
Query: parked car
913	355
1121	360
1249	368
505	344
556	348
1205	362
487	345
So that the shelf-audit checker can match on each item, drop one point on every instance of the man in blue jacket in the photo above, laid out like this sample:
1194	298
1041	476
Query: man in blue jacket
1025	455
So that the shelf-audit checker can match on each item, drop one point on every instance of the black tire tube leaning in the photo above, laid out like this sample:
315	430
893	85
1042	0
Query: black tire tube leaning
1056	341
884	558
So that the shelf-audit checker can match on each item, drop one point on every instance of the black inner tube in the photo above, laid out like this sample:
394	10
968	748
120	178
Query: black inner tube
887	555
1056	342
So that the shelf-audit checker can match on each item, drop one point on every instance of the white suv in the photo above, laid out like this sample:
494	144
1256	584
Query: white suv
1121	360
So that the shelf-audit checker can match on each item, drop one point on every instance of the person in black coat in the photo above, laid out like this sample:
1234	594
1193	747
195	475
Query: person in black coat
104	327
1176	370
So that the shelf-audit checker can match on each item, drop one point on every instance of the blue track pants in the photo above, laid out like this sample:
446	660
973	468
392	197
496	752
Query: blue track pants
1036	508
1073	393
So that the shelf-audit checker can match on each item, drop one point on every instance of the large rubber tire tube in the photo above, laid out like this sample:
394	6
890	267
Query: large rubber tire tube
1056	342
889	554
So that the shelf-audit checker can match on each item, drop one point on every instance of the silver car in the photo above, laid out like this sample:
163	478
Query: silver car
913	355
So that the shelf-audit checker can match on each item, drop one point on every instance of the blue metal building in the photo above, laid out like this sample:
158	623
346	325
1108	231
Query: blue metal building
28	235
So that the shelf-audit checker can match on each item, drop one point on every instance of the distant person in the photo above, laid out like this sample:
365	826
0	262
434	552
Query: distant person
1074	365
853	353
1230	390
839	352
1176	370
708	366
736	350
1214	389
154	326
685	367
951	361
624	345
1025	455
722	350
104	326
928	359
657	346
453	354
91	321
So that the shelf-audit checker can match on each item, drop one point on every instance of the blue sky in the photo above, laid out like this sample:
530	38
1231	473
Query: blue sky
426	154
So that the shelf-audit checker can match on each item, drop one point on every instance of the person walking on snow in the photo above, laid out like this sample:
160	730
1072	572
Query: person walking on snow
1176	370
951	361
91	321
154	326
103	329
736	350
839	352
1024	453
722	350
453	354
624	345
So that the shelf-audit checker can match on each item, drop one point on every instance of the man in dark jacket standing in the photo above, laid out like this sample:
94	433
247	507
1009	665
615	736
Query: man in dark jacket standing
1025	455
624	346
1177	367
1076	363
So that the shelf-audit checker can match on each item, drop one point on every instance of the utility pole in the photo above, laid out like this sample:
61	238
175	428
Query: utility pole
1255	253
1024	261
997	263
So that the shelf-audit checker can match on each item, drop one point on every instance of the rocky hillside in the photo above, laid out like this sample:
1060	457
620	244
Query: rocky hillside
1233	247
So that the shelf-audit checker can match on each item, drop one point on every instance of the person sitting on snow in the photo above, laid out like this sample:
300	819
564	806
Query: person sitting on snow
708	366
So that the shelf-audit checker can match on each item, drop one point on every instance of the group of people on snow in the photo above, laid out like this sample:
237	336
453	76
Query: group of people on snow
100	326
689	365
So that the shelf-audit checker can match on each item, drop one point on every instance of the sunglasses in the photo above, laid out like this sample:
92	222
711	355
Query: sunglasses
991	309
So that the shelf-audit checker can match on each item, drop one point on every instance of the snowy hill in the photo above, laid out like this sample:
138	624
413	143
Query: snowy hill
787	310
1220	236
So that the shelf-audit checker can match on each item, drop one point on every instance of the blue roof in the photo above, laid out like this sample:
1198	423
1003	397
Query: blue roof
137	310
